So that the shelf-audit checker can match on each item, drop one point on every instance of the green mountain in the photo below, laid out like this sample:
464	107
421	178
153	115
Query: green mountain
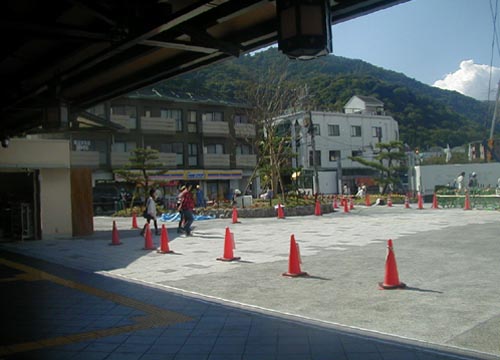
427	116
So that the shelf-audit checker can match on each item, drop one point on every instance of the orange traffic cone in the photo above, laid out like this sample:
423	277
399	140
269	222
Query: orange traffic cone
434	202
317	209
346	206
115	238
407	202
164	248
281	213
389	201
467	202
351	204
420	201
148	239
294	260
134	221
229	246
391	278
335	204
367	200
235	215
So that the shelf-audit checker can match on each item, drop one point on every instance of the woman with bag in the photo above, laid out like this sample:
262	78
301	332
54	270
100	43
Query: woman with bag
150	212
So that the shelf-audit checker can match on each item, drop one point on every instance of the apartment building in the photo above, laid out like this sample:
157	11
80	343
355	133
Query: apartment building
204	140
333	137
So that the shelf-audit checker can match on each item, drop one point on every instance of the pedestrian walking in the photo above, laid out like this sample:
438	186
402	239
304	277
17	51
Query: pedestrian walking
187	207
150	212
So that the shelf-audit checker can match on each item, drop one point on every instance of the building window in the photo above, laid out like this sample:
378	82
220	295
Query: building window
355	131
193	154
192	125
131	111
334	155
243	150
317	158
212	116
240	119
377	132
173	114
214	149
333	130
123	146
357	153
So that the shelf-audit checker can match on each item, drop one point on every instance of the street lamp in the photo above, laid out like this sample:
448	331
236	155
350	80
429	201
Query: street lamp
304	28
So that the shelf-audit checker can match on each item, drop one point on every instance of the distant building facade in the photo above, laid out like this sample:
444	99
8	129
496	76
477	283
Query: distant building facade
202	140
338	136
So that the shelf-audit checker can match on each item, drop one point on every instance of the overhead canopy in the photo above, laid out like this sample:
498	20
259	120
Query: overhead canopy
62	56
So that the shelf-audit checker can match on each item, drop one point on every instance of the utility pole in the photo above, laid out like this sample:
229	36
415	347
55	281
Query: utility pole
313	146
310	129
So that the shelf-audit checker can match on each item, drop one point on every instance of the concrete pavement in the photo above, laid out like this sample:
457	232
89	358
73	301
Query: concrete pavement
447	257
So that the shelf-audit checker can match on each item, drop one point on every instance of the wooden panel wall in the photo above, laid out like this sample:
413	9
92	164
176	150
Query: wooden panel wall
81	202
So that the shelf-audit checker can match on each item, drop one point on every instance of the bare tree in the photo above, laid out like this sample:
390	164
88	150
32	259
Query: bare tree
269	97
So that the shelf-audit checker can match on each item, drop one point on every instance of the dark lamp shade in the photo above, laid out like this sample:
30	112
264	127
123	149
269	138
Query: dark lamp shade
304	28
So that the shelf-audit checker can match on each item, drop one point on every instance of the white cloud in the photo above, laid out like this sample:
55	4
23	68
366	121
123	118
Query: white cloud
471	80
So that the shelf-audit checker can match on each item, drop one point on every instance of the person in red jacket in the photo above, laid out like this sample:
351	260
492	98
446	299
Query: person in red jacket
187	207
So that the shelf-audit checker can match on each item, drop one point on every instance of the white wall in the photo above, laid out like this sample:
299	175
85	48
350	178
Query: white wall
345	142
428	176
328	182
55	203
52	157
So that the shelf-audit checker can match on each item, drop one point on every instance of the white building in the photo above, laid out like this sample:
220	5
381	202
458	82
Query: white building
355	132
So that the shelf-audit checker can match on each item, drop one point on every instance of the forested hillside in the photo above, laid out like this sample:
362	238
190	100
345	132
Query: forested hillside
427	116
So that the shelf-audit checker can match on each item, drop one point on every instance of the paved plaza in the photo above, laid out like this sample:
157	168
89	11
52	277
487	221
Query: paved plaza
448	258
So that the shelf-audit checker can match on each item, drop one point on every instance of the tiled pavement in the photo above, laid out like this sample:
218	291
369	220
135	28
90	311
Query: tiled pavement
52	312
63	308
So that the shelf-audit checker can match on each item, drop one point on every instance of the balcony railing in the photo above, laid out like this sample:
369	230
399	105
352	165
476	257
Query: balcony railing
84	159
244	130
169	160
119	159
216	160
158	125
246	161
124	120
215	128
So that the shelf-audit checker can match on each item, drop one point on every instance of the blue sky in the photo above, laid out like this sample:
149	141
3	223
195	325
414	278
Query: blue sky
447	43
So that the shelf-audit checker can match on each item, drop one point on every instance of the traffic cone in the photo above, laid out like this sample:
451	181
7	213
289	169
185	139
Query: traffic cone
164	248
391	278
335	204
407	202
467	202
317	209
434	202
389	201
346	206
367	200
420	201
294	260
148	239
281	213
229	246
134	221
351	204
115	238
235	215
